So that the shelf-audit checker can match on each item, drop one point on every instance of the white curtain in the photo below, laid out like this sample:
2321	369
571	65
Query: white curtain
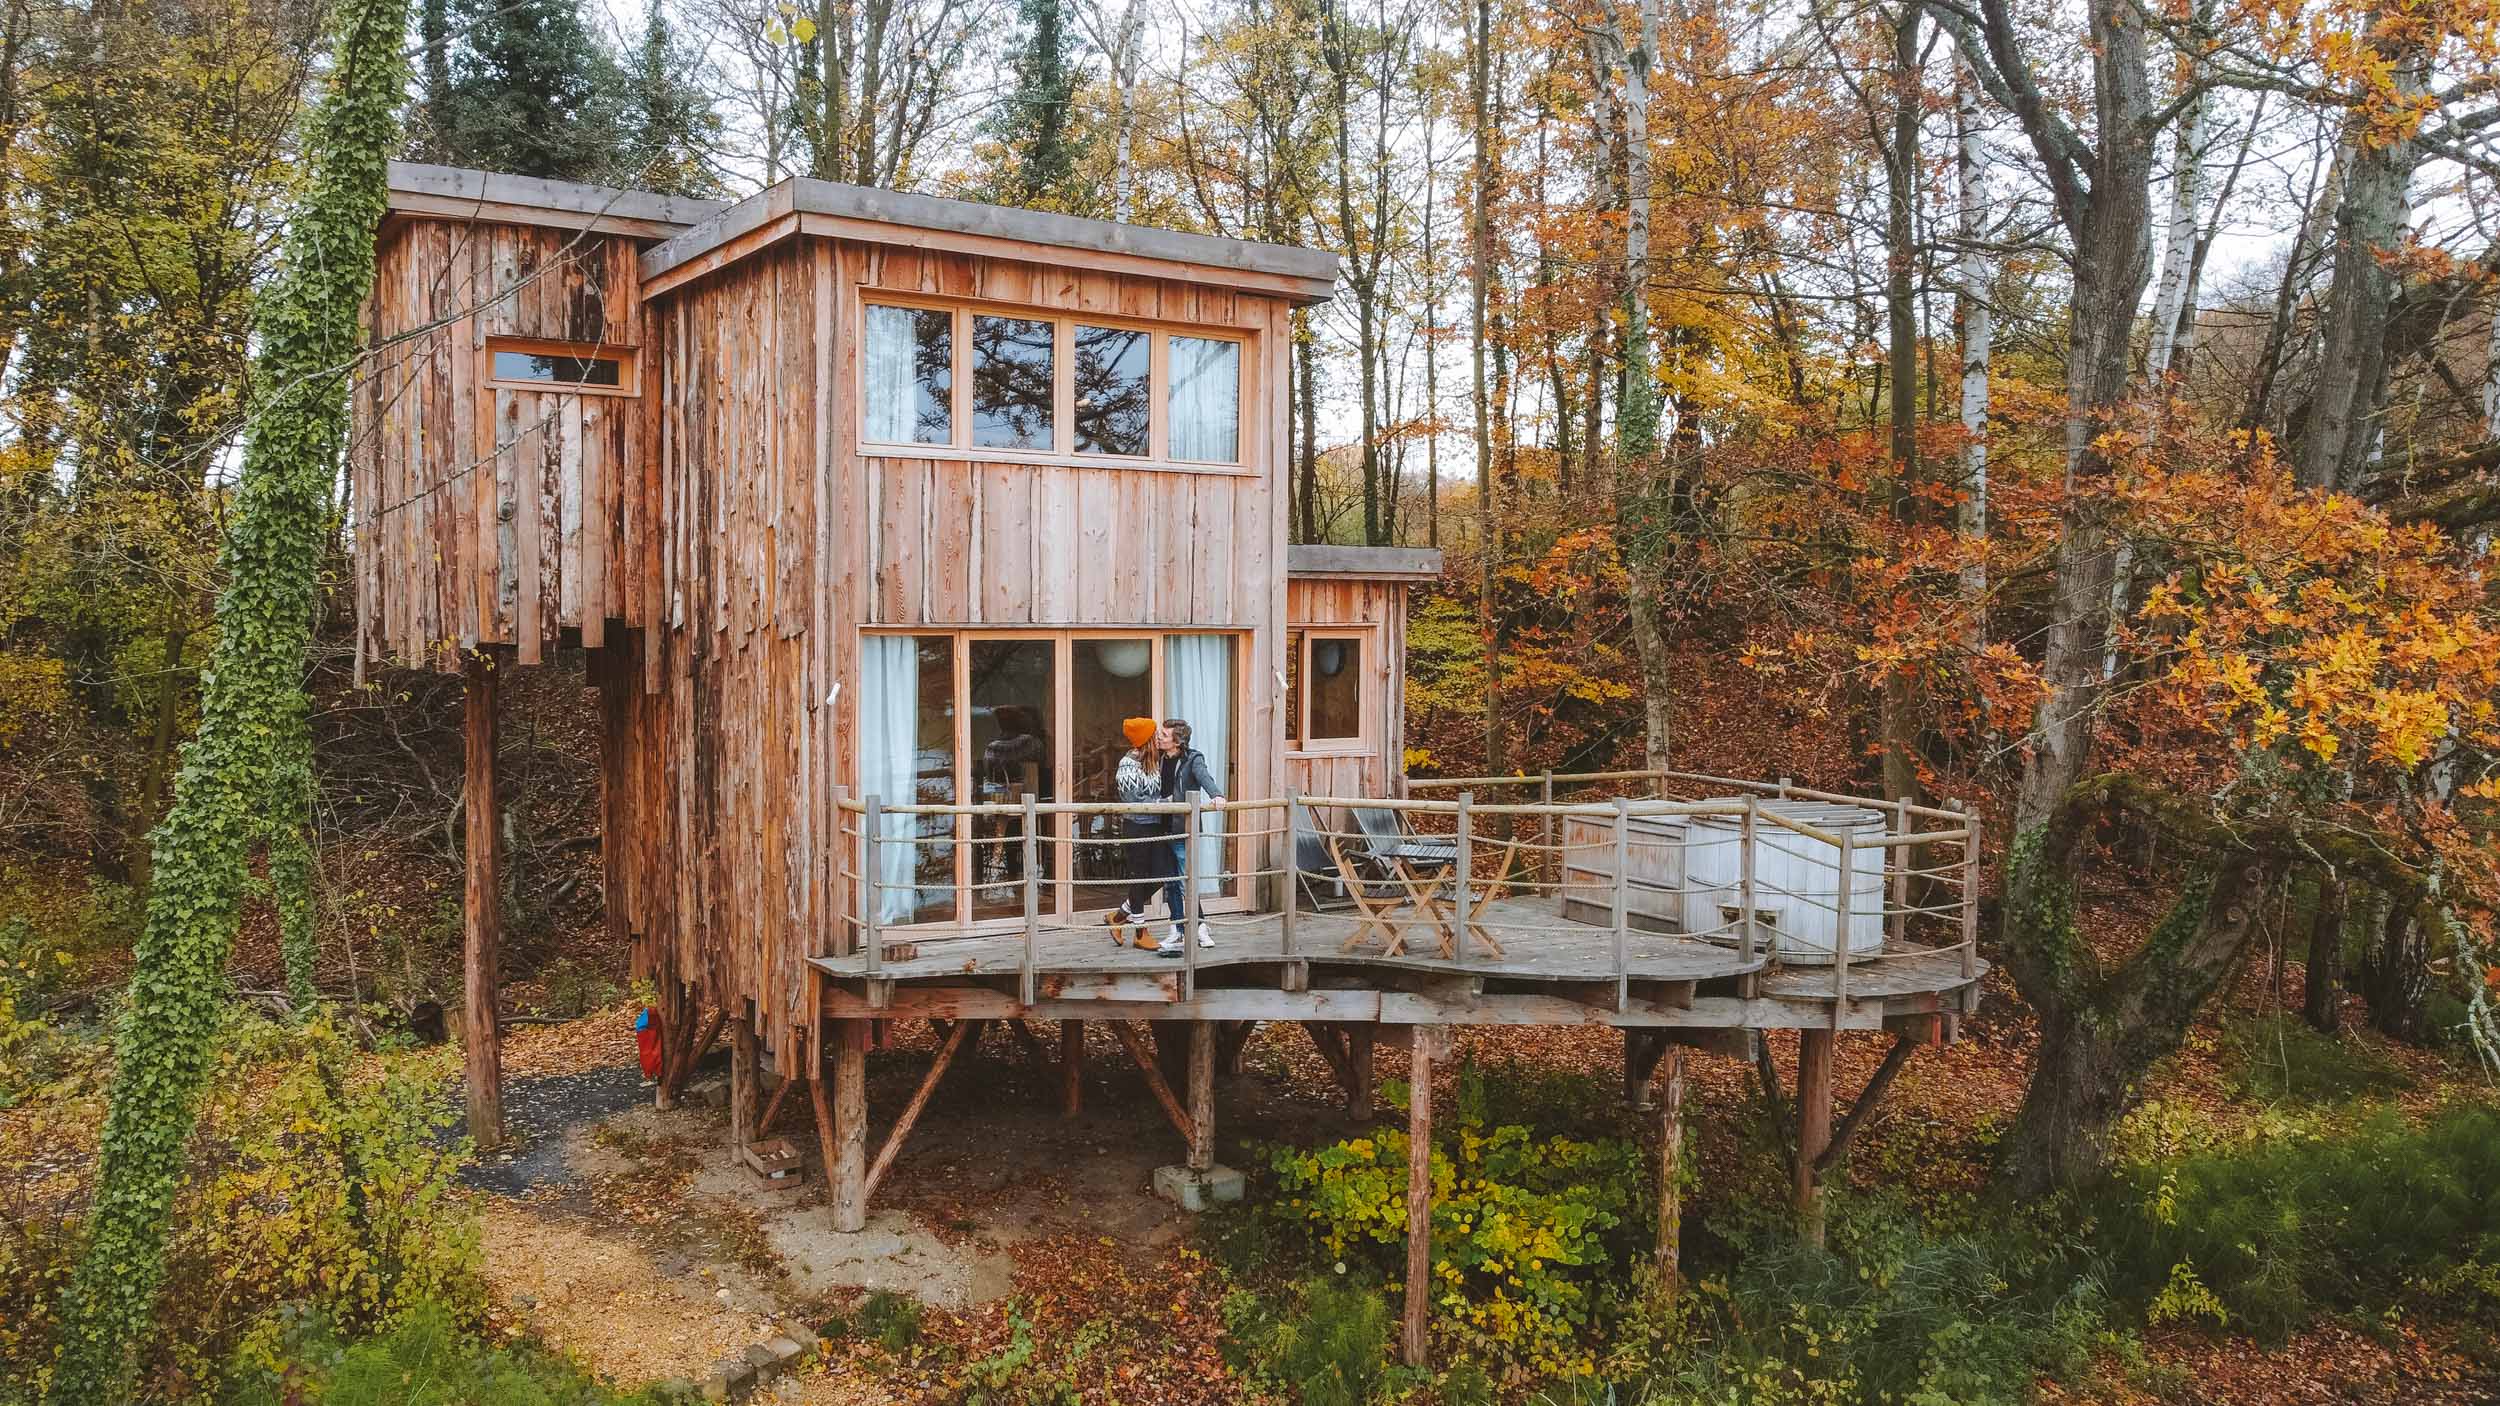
1206	401
889	745
891	392
1198	687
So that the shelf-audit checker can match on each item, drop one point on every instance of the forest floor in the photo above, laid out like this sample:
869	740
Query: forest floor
635	1243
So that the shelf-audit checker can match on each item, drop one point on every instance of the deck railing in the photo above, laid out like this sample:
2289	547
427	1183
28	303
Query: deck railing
1589	871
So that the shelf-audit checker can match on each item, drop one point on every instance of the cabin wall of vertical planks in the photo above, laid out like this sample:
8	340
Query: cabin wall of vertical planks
1378	767
720	539
483	514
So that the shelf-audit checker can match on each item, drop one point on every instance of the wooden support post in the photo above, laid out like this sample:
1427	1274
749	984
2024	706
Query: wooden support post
1671	1172
1232	1037
1189	899
781	1090
1868	1101
1622	901
1071	1068
896	1135
1201	1095
842	1125
1641	1052
1156	1084
1032	898
871	820
1970	895
1464	883
1899	858
1358	1091
1545	831
1814	1126
743	1055
1293	871
482	917
1418	1194
1744	878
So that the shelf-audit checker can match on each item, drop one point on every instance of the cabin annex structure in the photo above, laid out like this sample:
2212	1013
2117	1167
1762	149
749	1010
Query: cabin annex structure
876	515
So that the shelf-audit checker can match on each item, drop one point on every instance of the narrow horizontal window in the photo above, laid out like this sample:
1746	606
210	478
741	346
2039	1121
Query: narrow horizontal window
1114	391
1012	383
1206	400
910	375
558	369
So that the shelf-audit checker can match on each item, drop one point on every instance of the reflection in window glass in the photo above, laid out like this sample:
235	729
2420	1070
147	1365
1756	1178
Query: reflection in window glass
1011	383
1335	712
1206	400
557	370
1113	391
910	376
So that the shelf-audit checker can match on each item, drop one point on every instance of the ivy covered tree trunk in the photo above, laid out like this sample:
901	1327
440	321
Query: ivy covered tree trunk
2102	1026
241	756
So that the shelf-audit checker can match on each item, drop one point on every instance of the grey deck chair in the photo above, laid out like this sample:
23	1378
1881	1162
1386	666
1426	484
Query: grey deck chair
1388	843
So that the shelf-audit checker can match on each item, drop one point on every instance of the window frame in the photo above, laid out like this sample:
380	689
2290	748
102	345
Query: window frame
1063	451
628	377
1367	638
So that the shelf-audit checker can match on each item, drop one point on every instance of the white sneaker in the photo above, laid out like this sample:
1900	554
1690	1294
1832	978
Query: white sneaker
1205	937
1174	943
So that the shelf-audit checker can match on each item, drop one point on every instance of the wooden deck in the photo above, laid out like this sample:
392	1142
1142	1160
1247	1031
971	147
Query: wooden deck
1552	970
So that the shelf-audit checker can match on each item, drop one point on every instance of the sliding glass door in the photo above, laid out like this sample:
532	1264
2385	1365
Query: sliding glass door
995	717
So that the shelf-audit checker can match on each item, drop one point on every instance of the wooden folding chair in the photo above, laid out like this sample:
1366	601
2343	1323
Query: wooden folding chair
1471	905
1374	905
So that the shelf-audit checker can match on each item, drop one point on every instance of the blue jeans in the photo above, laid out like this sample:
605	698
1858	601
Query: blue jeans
1175	891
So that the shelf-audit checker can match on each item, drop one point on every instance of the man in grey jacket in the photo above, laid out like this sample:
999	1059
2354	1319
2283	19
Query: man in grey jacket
1185	769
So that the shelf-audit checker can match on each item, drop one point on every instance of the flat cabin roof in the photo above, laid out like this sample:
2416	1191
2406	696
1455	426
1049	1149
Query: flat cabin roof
877	216
458	192
1319	560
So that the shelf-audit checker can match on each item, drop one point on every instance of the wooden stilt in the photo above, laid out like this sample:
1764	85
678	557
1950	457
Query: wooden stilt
1641	1051
1671	1171
1418	1194
1232	1037
1330	1042
1156	1084
1358	1092
482	1032
901	1130
1814	1126
772	1106
1071	1068
1201	1095
842	1126
1867	1102
744	1053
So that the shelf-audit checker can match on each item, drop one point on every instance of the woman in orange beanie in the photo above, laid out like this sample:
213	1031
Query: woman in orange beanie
1149	857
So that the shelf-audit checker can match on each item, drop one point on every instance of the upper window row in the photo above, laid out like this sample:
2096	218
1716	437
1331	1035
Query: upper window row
956	378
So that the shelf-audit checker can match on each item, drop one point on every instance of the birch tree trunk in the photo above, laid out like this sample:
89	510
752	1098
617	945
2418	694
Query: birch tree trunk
1977	315
1638	535
2178	242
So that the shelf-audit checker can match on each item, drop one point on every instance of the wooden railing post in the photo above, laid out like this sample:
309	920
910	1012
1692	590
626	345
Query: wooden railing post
871	820
1751	832
1292	866
1545	830
1970	892
1840	916
1899	858
1189	899
1032	894
1623	894
1465	874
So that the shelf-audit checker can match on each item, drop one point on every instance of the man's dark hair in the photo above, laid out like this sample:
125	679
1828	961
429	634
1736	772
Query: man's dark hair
1180	729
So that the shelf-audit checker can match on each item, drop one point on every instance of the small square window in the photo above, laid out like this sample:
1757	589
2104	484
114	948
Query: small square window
1334	712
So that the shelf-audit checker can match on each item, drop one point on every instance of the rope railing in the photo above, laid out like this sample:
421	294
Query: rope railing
1584	872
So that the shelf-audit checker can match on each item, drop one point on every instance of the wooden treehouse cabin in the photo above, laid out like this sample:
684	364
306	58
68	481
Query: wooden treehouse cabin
875	515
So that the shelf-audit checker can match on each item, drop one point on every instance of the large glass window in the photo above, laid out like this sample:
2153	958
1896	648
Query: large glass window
1206	400
1114	391
992	719
1012	383
909	373
1014	693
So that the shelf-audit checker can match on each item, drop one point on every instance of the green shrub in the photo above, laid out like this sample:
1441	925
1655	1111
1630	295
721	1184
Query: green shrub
1525	1231
422	1360
890	1319
2281	1060
307	1191
56	929
2295	1221
1331	1349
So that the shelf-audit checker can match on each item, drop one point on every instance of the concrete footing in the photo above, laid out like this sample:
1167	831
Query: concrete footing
1194	1191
